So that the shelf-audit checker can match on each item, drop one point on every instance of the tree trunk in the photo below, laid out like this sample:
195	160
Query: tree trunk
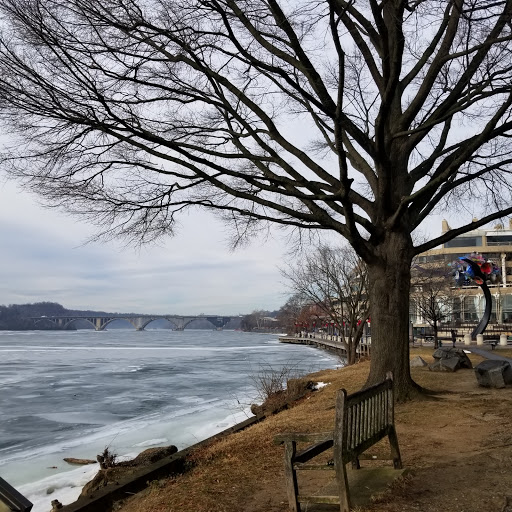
351	353
390	278
348	344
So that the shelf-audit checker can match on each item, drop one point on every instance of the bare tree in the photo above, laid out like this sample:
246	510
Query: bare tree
254	320
359	118
289	314
335	280
432	295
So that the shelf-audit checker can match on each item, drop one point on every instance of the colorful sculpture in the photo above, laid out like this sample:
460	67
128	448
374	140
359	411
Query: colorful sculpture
475	268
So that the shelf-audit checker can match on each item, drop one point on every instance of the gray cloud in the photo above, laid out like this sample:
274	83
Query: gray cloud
42	257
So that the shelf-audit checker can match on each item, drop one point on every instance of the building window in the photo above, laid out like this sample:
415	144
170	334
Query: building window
473	241
499	240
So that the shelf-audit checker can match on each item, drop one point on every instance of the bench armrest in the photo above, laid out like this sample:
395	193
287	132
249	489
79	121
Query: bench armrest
318	437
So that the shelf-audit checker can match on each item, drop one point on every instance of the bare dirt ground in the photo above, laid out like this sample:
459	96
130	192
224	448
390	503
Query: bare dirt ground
457	445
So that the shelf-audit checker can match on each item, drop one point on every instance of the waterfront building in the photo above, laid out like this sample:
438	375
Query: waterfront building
466	302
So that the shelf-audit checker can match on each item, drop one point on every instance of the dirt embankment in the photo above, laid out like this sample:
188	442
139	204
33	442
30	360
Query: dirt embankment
457	444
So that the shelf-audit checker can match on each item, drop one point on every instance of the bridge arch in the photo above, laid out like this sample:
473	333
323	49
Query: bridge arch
167	320
73	320
114	319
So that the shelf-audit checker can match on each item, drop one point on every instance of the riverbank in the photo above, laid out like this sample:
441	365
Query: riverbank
457	444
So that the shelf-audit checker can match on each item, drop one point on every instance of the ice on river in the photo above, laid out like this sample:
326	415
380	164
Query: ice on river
73	393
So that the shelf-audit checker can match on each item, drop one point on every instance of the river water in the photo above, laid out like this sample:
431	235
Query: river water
73	393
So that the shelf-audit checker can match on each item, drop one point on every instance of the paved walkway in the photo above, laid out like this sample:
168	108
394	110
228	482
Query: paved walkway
489	354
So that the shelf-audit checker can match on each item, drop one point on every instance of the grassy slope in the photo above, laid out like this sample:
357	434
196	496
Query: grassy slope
444	439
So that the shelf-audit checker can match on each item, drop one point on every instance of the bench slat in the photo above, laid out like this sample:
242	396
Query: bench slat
301	437
331	500
313	451
314	467
349	455
362	395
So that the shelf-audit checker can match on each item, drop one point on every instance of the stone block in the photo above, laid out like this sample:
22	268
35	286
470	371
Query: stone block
449	352
450	364
417	361
493	373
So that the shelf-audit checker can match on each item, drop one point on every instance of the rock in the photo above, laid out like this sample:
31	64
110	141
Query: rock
112	474
417	362
71	460
56	505
257	410
493	374
151	455
507	506
101	479
273	404
451	364
281	399
449	352
297	388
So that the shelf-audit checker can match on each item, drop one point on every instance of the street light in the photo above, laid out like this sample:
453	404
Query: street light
11	500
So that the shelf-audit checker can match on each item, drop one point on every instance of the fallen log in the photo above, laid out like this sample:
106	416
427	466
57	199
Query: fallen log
71	460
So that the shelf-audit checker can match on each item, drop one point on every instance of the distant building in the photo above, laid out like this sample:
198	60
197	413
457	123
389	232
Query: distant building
467	301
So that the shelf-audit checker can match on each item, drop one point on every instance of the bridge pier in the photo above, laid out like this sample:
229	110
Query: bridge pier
98	324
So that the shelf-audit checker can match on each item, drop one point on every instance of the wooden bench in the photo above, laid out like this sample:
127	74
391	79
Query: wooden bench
362	419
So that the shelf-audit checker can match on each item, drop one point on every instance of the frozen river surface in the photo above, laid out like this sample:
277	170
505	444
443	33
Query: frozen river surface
72	393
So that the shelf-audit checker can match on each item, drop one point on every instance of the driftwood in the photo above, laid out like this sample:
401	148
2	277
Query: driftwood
71	460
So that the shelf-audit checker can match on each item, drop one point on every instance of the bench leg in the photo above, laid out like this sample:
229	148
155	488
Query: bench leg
290	448
342	480
395	450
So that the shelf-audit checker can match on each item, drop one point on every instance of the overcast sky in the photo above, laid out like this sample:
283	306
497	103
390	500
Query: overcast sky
43	258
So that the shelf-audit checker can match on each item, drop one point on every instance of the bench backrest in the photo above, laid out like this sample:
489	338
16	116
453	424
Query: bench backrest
363	418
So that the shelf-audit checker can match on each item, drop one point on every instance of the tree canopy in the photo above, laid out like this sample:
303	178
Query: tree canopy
360	118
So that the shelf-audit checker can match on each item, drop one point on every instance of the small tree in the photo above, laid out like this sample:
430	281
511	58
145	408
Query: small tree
335	280
432	295
289	313
253	320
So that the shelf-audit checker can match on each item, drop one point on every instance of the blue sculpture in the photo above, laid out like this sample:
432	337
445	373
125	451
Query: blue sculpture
479	270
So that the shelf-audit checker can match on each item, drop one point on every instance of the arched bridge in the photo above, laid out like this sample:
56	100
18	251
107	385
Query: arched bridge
100	322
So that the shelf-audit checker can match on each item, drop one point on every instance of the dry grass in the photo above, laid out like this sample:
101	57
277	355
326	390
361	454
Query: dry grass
505	352
449	436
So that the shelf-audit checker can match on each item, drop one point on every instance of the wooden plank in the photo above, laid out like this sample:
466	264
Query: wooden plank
358	424
290	476
301	437
312	451
331	500
359	396
308	466
350	428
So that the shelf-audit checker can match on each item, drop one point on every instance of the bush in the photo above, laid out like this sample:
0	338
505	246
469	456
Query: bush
276	388
107	459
